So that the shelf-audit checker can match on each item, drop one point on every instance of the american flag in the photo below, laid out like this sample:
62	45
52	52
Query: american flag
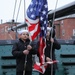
37	18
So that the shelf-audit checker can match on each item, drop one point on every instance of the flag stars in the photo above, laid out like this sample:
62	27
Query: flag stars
44	22
39	3
45	32
31	9
46	6
31	3
44	12
39	10
42	28
41	18
32	16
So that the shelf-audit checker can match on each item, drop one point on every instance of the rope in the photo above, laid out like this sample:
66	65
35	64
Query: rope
24	10
26	55
25	65
14	8
13	15
17	17
18	10
51	37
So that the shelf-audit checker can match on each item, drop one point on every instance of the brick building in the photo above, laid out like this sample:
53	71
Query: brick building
4	33
65	27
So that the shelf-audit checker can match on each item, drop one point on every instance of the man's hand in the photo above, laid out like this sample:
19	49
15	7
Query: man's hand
52	40
26	52
48	59
29	47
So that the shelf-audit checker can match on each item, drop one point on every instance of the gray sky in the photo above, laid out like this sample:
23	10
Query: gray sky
7	8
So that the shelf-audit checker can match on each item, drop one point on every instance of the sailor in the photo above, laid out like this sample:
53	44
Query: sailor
23	50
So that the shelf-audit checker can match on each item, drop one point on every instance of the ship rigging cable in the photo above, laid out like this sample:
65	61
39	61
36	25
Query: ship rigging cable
14	9
51	36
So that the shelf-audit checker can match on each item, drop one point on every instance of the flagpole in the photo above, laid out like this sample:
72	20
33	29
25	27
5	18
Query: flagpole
25	22
51	37
17	18
25	65
24	11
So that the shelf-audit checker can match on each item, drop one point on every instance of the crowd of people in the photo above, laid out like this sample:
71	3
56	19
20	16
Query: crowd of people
24	48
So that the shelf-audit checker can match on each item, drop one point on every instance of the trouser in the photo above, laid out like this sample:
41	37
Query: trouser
26	73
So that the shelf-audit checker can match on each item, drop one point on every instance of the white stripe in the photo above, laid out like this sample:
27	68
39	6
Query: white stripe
32	21
32	32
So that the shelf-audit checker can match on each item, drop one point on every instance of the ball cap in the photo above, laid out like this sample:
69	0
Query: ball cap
49	28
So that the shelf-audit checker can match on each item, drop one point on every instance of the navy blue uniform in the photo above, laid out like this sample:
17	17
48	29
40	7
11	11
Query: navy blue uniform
17	52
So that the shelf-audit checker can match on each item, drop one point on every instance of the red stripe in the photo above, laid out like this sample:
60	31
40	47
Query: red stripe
37	67
41	49
36	33
32	27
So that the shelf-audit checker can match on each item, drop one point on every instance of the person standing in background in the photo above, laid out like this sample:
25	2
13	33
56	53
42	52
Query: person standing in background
56	45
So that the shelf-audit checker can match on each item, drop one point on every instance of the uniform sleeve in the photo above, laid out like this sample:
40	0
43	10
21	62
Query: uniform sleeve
56	44
15	51
34	45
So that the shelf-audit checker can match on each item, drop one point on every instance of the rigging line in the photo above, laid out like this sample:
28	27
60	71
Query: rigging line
53	21
24	10
54	13
18	10
25	65
13	15
17	18
51	36
14	9
52	25
26	55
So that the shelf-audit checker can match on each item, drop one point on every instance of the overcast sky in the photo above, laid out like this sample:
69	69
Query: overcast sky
7	8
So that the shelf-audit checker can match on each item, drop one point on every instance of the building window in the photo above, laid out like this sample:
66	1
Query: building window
63	32
62	22
73	32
